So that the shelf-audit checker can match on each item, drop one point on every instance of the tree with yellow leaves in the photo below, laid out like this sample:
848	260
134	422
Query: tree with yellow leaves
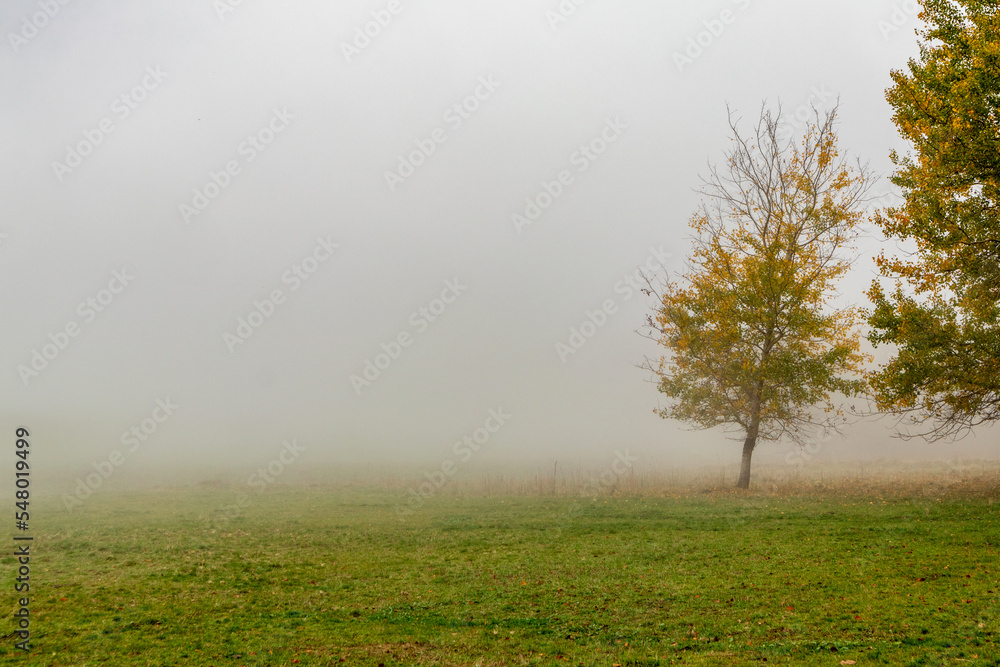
754	341
943	314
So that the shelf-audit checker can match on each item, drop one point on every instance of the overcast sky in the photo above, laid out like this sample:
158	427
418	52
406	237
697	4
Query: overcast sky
170	167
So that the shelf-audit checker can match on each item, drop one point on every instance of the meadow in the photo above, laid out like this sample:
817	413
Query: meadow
886	570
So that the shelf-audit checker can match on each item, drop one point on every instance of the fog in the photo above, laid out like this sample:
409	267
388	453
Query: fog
203	257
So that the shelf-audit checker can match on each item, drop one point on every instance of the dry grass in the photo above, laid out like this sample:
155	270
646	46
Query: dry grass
927	480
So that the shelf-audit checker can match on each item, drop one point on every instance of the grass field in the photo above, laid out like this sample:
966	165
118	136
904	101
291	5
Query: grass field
325	576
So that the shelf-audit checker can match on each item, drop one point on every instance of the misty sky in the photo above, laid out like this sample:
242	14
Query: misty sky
170	167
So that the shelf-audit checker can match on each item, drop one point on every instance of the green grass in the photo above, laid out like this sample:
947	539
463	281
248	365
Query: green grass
316	576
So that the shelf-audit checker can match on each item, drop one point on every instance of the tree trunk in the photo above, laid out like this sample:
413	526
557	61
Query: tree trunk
748	446
750	443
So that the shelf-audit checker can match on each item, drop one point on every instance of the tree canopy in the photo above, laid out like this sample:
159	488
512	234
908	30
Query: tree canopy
753	340
943	313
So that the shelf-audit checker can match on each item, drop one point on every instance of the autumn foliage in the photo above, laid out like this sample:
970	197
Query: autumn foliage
943	312
754	341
